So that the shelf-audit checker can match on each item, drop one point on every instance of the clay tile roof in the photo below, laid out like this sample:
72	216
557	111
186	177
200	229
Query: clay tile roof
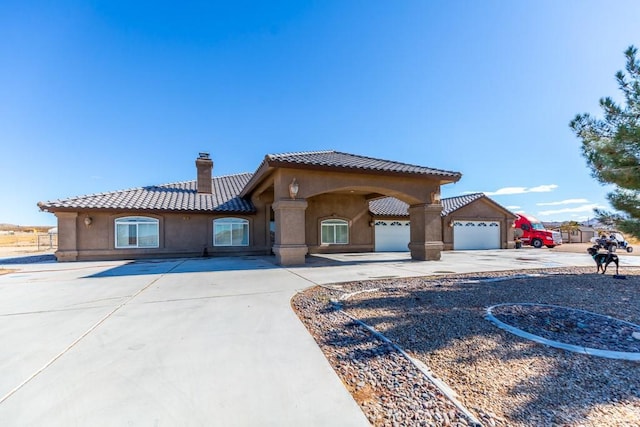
180	196
339	160
390	206
451	204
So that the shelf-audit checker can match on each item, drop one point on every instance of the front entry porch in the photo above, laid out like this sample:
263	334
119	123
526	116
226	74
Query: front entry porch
300	226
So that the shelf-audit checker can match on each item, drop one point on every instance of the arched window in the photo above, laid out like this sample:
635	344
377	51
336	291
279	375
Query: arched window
334	232
137	232
230	232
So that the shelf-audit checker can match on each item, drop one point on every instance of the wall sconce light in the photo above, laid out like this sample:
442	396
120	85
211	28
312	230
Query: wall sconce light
451	223
372	223
87	221
435	197
293	189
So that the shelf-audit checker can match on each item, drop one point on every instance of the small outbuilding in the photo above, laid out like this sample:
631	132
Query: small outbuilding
579	234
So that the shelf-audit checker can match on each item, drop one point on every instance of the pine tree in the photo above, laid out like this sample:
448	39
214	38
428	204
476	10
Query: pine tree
611	146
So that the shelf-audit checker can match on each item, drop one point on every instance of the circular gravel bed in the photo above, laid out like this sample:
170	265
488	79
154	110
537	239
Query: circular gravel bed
501	378
569	329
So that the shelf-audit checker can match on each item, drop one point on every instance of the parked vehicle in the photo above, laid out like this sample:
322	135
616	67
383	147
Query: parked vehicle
612	241
532	232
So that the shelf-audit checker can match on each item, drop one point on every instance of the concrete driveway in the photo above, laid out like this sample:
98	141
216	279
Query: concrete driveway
189	342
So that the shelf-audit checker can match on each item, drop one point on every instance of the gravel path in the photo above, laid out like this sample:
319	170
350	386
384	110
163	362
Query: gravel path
503	380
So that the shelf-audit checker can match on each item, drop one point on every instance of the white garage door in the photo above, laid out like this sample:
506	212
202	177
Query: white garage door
476	235
392	236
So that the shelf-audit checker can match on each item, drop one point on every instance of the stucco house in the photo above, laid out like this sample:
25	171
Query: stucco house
294	204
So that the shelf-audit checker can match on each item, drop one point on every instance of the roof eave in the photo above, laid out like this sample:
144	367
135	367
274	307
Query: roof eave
453	180
489	200
147	210
263	171
443	178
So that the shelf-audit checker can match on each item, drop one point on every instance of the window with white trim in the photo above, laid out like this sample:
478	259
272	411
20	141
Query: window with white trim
230	232
334	232
137	232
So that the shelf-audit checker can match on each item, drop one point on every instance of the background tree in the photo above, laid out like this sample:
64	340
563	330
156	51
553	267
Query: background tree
608	219
611	146
569	227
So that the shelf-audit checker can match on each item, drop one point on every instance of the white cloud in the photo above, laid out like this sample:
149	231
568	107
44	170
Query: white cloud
513	208
543	188
584	208
506	191
521	190
563	202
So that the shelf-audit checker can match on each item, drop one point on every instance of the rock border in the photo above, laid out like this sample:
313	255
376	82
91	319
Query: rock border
609	354
420	366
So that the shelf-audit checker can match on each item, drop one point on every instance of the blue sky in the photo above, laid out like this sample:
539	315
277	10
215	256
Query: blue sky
101	96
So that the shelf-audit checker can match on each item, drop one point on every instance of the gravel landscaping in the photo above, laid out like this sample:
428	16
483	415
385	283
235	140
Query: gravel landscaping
496	378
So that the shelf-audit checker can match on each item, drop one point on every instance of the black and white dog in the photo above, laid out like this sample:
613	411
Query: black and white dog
603	259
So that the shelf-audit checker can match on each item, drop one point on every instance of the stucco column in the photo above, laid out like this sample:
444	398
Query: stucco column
67	236
290	244
510	238
426	232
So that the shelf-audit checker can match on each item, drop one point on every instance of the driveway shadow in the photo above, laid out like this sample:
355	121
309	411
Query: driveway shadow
29	259
188	265
237	263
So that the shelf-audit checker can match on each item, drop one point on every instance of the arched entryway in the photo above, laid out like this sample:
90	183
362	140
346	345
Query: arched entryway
328	190
326	203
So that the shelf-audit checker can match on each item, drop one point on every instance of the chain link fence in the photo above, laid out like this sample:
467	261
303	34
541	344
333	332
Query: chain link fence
47	241
28	240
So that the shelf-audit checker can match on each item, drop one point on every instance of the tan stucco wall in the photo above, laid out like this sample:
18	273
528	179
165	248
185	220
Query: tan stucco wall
67	236
179	235
409	189
353	209
189	234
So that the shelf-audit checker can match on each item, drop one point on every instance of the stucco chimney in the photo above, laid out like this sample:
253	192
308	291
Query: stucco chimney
204	165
